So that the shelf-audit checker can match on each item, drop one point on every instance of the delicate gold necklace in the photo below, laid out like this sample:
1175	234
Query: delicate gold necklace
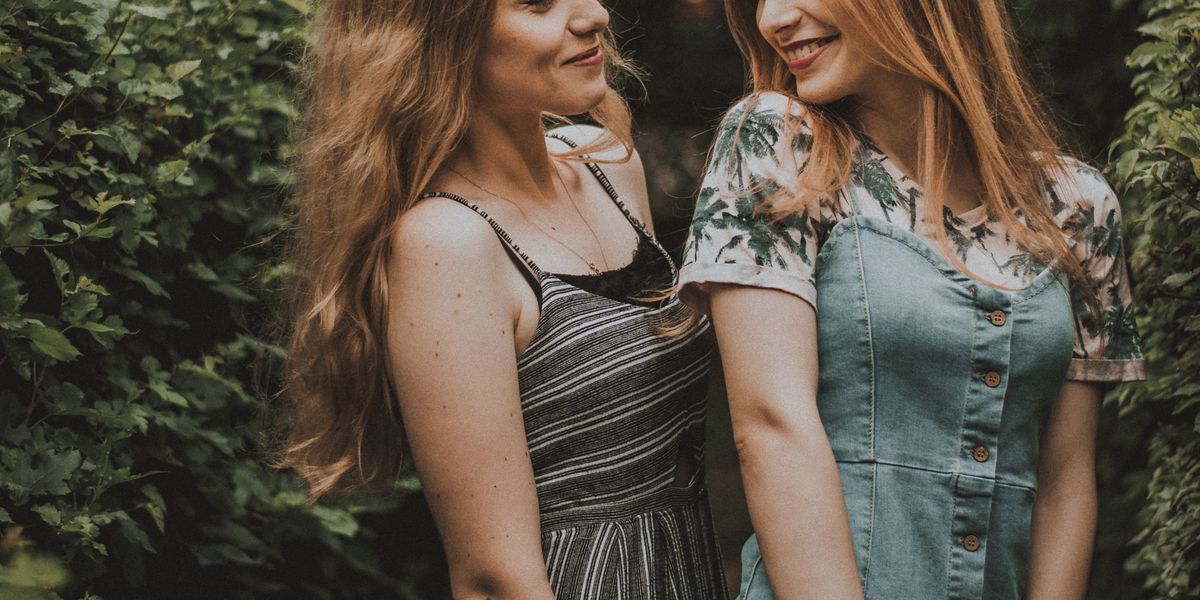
591	265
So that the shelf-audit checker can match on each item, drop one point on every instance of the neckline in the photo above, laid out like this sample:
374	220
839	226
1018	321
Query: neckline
639	252
1037	283
627	284
969	219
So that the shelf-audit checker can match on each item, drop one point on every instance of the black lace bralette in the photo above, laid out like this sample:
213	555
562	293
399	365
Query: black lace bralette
648	274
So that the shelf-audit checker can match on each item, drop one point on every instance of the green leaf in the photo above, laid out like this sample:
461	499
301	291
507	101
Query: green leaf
222	554
167	90
49	514
154	12
32	194
102	203
299	6
155	506
181	69
147	282
233	292
164	391
1178	279
170	171
336	520
44	472
51	341
9	103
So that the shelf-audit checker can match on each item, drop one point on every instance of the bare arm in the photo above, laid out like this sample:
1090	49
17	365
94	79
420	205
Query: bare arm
450	335
768	342
1064	514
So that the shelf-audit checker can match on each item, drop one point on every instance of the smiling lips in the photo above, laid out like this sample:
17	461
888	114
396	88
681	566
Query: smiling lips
590	58
802	53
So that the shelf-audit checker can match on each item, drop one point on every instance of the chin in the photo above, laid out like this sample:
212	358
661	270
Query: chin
818	92
580	103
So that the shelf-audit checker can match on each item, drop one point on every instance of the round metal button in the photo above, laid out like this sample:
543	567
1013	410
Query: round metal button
971	543
992	379
998	318
981	454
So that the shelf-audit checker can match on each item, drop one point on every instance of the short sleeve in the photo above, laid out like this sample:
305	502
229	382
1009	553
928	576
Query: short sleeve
755	158
1107	345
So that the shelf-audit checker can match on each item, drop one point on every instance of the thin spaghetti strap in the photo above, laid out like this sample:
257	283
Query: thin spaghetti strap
608	187
503	235
616	198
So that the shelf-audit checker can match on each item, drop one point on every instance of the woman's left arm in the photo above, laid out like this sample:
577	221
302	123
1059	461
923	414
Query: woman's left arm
1064	514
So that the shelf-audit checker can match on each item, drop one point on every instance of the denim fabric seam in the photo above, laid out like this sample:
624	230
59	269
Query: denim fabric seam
862	273
947	271
753	572
1016	301
953	512
920	252
956	578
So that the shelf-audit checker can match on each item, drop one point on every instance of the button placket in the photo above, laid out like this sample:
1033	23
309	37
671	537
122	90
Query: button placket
969	528
984	403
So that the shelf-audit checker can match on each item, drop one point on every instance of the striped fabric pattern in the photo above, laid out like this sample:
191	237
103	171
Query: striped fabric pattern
614	415
614	411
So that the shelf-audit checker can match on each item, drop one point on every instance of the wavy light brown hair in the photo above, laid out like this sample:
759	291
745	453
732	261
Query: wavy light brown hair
976	98
389	91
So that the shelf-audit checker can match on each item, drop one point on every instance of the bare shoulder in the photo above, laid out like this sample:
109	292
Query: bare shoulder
440	240
622	167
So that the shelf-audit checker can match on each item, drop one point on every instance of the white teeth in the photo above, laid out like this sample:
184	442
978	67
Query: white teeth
811	47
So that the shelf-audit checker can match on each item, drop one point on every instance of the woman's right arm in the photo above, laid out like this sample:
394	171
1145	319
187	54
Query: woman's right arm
768	342
451	315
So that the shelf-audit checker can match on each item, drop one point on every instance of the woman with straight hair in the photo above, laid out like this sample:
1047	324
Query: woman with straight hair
476	290
893	190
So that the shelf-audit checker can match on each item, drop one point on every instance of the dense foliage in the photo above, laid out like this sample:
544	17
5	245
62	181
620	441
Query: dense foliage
138	168
140	165
1158	168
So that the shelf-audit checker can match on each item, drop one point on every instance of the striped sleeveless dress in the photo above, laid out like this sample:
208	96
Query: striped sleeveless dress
614	413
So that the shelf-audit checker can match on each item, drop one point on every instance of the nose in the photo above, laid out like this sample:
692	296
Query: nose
777	16
589	18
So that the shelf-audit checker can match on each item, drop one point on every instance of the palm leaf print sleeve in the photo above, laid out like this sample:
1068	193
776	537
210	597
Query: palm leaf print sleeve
1107	345
755	158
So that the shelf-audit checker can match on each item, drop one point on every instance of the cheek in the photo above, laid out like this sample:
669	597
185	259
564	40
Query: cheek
519	60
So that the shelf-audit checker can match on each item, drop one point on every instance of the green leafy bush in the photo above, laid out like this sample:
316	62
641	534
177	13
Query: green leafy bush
137	168
1158	169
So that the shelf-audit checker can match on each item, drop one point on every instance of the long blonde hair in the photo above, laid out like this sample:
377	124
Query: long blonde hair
975	98
389	91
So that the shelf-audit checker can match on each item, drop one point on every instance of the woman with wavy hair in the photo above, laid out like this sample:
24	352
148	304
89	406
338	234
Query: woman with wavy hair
473	289
893	189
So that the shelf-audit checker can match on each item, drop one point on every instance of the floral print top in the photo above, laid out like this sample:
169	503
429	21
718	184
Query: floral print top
759	149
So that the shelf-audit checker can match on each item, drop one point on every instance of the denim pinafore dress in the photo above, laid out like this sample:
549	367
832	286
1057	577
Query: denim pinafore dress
934	391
